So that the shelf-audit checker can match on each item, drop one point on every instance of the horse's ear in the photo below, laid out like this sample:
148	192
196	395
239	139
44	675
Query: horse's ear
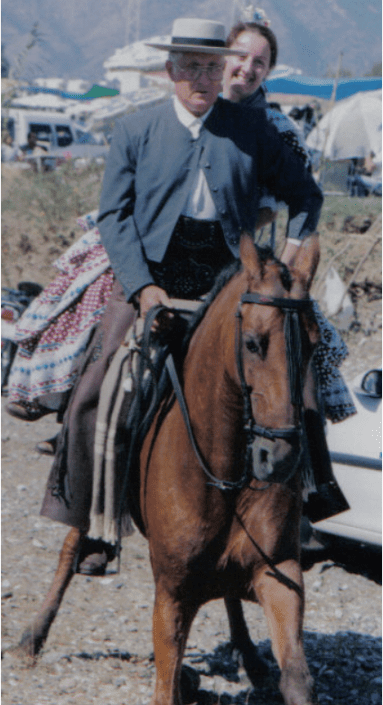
249	256
306	259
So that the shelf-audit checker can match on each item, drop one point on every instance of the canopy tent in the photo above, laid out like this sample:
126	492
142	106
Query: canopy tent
321	87
352	129
95	92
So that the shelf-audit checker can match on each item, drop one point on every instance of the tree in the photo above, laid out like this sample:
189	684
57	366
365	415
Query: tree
4	64
24	66
343	73
375	71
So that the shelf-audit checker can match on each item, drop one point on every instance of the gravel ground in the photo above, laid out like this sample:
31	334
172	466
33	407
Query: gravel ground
100	650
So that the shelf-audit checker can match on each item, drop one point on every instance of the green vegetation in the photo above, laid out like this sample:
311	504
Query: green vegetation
39	212
376	70
53	200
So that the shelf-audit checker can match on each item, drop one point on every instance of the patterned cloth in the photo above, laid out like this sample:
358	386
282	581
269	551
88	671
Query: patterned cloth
291	136
329	354
54	331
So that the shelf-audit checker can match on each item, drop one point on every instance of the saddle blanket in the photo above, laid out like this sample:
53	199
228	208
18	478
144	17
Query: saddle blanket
110	518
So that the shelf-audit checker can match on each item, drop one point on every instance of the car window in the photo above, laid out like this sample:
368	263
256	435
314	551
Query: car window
64	135
42	131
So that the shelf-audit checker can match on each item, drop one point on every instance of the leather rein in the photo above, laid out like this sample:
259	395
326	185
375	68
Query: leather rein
292	309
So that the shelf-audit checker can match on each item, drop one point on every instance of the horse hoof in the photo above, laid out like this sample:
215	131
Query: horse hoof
297	687
23	656
256	670
189	685
255	666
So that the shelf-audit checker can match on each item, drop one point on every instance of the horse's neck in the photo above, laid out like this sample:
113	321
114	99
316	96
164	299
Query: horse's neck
213	398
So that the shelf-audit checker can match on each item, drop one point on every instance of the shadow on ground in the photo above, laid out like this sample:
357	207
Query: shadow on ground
353	557
346	668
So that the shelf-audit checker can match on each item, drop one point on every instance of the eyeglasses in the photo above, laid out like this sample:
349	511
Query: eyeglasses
194	71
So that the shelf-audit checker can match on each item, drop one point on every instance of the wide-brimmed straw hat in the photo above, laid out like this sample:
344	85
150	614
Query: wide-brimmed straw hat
201	36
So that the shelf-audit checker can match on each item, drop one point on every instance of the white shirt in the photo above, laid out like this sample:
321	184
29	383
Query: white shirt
199	204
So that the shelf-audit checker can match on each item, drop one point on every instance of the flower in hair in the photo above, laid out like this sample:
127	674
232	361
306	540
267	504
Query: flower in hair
259	16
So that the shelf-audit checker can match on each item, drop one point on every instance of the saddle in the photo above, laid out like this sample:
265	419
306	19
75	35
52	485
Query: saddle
135	386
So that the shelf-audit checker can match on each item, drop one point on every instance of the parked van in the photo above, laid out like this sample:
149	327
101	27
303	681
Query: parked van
60	135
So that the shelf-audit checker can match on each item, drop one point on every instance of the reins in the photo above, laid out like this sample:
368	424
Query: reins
213	480
292	308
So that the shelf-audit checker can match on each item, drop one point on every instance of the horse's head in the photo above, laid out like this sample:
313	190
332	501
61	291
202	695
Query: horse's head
276	335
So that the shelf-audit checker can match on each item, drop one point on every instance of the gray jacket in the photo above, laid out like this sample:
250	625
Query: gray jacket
152	165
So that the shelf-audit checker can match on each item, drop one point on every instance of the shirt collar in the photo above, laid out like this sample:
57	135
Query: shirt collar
188	119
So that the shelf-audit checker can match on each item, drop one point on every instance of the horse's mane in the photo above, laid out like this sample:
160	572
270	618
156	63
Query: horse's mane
266	254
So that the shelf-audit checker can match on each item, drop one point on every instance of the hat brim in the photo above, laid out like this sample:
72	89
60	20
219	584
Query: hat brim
196	49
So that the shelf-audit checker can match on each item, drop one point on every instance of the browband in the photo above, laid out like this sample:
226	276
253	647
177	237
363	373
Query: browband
290	304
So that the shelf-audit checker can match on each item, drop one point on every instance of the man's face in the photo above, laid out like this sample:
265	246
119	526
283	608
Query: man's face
197	93
244	74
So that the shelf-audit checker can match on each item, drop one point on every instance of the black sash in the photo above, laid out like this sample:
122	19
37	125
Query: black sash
196	254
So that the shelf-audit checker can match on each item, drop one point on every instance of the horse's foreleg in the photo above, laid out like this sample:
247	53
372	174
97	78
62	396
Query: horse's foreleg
240	639
35	635
283	605
171	624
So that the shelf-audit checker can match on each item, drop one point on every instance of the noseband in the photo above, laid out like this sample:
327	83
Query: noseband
292	308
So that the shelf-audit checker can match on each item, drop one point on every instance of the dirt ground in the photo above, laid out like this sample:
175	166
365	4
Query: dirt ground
99	650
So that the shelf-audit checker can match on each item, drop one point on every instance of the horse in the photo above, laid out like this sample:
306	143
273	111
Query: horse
220	492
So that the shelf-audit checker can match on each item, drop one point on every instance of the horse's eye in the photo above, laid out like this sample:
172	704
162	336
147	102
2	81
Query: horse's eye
252	346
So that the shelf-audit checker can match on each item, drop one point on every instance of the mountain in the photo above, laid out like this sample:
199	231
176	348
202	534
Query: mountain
79	37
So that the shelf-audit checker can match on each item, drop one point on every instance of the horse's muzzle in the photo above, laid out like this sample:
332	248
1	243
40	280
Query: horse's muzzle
275	460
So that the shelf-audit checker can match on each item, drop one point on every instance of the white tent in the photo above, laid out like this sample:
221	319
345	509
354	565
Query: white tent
352	129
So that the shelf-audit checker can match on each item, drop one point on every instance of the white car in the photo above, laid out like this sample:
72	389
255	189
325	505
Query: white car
62	137
355	449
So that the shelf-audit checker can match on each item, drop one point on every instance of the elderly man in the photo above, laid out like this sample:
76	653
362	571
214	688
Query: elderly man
181	184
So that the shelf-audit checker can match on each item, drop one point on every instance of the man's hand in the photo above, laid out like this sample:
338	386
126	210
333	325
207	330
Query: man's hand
151	296
264	217
289	252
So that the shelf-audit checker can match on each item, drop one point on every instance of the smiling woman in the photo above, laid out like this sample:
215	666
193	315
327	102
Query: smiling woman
245	73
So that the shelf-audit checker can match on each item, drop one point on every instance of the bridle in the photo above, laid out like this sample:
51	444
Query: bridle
292	308
292	329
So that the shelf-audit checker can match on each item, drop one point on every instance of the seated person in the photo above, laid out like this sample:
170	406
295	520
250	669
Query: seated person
33	148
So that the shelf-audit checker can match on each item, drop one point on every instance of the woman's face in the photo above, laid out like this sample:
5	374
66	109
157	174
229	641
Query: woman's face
244	74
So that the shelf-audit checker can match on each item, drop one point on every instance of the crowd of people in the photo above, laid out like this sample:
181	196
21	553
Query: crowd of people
171	212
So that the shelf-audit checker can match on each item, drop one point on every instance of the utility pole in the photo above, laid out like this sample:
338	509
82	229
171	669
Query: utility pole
336	81
133	18
332	103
